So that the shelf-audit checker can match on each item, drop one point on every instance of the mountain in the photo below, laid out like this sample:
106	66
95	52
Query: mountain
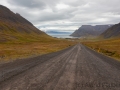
13	26
89	30
112	32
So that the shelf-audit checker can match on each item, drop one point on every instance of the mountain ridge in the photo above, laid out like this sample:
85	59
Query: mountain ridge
112	32
89	30
13	26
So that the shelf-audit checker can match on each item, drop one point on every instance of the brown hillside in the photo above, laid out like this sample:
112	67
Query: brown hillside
13	25
113	32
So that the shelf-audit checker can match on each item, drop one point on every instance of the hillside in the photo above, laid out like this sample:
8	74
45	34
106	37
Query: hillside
113	32
89	30
20	39
15	27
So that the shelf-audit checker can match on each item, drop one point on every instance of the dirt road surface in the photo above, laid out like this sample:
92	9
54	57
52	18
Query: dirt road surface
75	68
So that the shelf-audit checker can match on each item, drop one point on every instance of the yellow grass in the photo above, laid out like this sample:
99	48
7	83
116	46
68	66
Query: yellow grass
11	51
109	47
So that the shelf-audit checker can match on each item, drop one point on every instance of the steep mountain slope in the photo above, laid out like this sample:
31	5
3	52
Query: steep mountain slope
88	30
112	32
14	26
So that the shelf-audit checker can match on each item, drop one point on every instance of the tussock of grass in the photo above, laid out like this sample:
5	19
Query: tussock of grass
109	47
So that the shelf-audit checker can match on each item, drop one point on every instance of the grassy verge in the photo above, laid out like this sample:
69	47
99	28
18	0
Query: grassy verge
19	49
108	47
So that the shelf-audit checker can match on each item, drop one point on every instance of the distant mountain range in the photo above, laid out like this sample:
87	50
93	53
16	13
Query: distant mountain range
89	30
57	32
14	26
112	32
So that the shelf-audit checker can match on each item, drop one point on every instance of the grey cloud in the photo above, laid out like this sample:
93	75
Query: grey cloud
44	13
53	17
76	3
28	3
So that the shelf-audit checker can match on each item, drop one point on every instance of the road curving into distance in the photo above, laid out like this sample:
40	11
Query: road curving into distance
75	68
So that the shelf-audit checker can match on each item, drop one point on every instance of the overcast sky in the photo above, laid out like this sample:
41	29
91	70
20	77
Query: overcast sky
66	14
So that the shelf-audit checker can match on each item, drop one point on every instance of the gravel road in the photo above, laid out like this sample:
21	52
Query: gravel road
75	68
